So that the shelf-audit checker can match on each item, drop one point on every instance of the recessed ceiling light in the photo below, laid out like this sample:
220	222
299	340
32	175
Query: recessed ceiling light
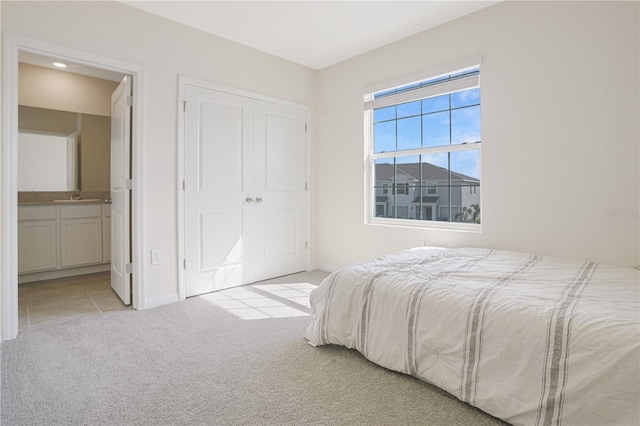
59	65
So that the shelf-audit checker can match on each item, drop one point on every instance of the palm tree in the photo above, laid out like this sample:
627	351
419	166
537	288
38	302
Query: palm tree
469	214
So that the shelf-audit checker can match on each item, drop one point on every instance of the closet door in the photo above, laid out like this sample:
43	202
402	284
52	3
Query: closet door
245	199
280	218
218	189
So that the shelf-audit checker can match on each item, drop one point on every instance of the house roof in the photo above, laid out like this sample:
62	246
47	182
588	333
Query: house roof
430	172
426	199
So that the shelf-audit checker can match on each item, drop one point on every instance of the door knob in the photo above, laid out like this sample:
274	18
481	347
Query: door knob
259	200
249	200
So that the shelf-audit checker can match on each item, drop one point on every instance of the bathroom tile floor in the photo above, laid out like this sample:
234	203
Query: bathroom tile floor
46	302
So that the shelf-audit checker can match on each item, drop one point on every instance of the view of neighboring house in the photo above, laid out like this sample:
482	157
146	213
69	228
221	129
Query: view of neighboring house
424	191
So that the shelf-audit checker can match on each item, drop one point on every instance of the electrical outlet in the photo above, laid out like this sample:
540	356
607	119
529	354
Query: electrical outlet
156	257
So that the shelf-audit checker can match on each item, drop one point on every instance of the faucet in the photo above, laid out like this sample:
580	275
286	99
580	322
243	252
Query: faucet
76	194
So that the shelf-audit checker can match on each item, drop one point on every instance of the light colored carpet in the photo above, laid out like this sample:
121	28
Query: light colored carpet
195	363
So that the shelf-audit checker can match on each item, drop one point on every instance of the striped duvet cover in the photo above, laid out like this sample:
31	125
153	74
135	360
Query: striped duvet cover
529	339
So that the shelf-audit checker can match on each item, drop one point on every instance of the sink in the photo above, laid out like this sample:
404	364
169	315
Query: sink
81	201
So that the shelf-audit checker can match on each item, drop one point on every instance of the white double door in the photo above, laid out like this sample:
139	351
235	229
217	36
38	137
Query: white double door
245	200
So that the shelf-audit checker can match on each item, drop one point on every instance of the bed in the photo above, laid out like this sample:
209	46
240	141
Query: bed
530	339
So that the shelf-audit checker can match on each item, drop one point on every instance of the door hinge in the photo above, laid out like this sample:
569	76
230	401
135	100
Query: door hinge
184	106
128	268
305	127
128	184
306	245
306	186
184	263
129	100
184	187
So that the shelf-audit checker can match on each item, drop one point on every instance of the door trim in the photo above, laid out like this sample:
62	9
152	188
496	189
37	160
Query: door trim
12	45
183	81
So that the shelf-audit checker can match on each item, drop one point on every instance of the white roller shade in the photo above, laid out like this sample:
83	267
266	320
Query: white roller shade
458	84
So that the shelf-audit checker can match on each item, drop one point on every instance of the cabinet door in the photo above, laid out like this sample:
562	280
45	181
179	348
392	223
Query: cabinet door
37	245
81	241
106	234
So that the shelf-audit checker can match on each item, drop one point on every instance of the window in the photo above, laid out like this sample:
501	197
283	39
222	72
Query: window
424	142
401	189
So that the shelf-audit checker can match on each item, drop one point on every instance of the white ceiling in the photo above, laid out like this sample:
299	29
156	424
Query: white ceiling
312	33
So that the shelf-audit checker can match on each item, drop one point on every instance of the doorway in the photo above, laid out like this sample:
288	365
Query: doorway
64	245
13	46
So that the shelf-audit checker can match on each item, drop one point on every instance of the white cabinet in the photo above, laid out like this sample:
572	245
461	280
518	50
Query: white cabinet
80	235
58	237
37	239
106	233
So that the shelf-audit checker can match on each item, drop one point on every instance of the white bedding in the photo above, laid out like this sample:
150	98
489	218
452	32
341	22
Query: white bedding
529	339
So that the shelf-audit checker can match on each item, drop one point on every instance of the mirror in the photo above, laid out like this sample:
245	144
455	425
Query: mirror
83	163
46	162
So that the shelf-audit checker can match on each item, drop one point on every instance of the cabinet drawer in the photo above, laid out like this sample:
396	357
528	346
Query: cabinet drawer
36	212
70	212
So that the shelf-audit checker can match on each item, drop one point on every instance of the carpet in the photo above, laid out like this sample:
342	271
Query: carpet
206	362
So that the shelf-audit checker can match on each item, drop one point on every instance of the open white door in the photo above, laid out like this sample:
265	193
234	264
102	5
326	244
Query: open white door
120	190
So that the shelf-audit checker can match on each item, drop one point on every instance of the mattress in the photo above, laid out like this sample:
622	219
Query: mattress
530	339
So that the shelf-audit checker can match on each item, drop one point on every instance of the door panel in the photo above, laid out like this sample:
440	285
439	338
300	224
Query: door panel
220	147
120	195
281	152
226	249
282	238
280	162
37	245
80	241
218	135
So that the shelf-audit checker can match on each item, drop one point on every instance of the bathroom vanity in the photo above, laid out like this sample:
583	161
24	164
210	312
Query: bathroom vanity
62	238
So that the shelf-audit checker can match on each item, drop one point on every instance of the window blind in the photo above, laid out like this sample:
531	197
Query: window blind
457	84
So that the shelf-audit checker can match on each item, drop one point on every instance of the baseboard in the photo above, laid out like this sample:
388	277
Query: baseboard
63	273
326	268
154	302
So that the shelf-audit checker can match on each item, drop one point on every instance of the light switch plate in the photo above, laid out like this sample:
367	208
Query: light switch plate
156	257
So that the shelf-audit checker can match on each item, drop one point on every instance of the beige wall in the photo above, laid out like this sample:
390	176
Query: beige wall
560	132
95	152
64	91
47	120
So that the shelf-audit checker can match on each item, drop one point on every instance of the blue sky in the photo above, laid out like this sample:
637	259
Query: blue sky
427	123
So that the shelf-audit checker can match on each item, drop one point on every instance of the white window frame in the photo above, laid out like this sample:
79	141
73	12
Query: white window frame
371	157
431	186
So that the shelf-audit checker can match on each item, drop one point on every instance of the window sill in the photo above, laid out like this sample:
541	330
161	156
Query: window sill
426	224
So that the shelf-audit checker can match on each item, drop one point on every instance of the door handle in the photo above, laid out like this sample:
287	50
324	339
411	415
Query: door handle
259	200
249	200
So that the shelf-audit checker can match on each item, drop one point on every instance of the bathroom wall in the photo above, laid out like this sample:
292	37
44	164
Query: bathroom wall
64	91
63	102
